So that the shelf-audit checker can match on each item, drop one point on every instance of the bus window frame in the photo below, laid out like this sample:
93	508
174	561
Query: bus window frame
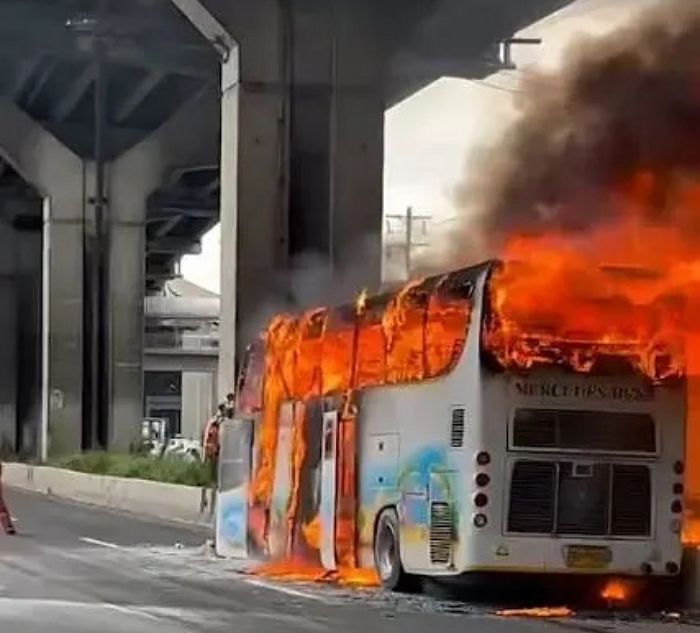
649	455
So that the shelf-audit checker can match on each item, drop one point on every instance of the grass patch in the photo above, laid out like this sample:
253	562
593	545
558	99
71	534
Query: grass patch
169	470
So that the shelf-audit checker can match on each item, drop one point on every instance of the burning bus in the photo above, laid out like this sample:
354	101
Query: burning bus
443	429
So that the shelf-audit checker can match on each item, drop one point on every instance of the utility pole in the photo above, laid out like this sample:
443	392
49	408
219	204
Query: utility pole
93	30
100	368
409	243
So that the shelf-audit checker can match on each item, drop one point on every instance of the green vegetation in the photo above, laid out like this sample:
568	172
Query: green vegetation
169	470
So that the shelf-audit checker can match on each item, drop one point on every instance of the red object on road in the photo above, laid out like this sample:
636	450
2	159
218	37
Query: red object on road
5	518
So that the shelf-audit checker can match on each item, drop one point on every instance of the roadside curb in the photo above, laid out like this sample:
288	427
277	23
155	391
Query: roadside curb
170	502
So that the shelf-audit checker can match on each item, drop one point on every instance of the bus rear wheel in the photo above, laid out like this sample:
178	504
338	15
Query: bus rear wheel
387	557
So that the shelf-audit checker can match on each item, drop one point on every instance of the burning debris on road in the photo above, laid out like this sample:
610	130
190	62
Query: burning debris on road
537	612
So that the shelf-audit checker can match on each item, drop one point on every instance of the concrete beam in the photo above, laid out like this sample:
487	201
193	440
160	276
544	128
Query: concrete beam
76	91
174	246
41	80
158	360
188	138
138	95
166	226
58	175
26	71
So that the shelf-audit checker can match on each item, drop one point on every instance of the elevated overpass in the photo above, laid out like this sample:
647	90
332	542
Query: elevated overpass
287	96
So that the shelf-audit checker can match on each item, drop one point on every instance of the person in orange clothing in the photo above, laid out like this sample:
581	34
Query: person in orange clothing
5	518
211	441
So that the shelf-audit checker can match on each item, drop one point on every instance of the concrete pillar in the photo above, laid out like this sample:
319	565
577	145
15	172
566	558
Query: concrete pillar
254	184
336	150
357	145
189	138
57	174
302	154
28	288
197	403
8	351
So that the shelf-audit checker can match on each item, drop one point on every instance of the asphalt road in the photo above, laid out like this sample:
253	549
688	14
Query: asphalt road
79	569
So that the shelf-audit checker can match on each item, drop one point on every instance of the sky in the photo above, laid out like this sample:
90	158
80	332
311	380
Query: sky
430	135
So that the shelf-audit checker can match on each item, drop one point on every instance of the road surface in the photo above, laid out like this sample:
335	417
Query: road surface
79	569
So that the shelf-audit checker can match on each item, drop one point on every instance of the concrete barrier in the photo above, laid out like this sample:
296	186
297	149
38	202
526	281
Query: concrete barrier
171	502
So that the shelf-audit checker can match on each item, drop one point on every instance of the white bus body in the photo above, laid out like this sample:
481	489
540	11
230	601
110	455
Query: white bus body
593	501
484	470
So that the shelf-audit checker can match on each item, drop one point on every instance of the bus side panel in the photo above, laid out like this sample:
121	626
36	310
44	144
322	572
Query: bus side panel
407	459
404	437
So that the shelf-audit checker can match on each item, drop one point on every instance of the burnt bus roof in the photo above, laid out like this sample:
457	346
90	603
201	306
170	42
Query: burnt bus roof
450	280
345	314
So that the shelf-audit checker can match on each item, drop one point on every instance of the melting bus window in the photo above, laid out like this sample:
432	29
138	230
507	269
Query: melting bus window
307	379
371	347
337	350
447	323
403	324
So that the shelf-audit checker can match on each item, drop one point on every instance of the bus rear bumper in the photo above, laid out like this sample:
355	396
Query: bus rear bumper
571	557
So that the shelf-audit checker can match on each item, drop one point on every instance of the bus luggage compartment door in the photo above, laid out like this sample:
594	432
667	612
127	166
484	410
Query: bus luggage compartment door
235	462
329	470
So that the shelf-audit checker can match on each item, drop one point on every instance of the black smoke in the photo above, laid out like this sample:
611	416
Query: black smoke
621	104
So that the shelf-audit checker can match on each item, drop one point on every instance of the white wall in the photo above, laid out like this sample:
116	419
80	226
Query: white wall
198	402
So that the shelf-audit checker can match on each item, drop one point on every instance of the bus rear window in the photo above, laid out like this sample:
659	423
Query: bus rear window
609	431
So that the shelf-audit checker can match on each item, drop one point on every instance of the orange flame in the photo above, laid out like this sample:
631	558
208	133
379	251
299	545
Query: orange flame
628	288
312	532
300	570
616	591
415	334
627	291
537	612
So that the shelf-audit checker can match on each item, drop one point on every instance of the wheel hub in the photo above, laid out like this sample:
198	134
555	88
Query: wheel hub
386	553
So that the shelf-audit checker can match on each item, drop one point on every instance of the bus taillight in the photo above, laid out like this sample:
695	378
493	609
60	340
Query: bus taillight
483	458
482	480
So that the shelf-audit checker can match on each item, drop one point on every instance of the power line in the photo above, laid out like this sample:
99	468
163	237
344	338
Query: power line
409	243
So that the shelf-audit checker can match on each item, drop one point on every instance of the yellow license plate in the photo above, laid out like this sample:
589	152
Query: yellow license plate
588	557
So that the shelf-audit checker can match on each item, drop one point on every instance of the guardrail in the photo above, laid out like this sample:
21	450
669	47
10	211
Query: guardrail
171	502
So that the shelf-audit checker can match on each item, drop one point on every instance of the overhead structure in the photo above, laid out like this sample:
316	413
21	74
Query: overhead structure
267	115
304	88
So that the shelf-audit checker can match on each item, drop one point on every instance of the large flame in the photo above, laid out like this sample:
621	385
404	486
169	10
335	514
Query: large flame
593	201
537	612
417	333
629	289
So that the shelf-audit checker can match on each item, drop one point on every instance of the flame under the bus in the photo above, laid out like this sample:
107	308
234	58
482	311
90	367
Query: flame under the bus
617	592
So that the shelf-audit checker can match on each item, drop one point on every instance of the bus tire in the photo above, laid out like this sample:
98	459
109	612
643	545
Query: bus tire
387	556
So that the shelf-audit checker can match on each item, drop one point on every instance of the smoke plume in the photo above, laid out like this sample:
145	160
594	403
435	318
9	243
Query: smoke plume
622	105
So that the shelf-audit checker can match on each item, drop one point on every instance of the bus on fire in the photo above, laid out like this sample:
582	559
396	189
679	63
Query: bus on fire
411	434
